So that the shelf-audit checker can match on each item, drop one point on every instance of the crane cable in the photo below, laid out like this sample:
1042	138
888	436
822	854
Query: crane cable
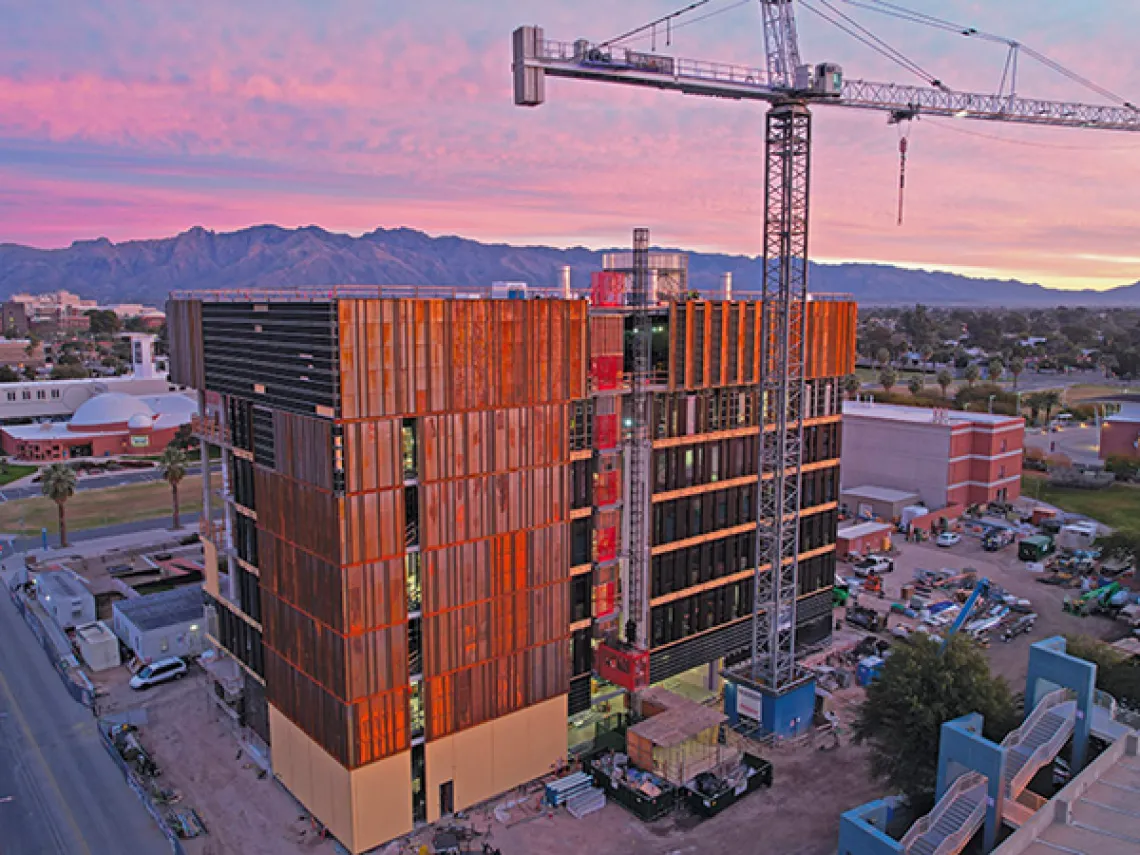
890	53
901	12
640	32
904	142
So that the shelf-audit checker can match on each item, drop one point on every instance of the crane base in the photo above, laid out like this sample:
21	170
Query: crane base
783	713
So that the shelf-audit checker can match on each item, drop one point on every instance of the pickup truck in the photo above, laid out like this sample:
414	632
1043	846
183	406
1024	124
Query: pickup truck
876	564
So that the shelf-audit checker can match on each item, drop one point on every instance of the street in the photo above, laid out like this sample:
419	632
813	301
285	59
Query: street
60	792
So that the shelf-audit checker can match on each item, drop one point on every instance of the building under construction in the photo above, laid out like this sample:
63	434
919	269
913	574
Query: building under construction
419	547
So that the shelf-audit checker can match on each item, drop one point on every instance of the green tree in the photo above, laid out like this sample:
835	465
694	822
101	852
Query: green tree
183	438
945	379
914	384
1124	468
69	372
887	378
104	322
1123	546
852	384
1049	401
1116	673
883	356
1016	367
995	369
8	375
172	464
920	688
57	482
971	374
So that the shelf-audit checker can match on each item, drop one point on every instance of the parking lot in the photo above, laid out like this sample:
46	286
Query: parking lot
1010	659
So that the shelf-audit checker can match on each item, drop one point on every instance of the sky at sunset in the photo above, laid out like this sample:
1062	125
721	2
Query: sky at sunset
141	118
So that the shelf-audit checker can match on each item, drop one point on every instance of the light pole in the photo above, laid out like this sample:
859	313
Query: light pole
991	404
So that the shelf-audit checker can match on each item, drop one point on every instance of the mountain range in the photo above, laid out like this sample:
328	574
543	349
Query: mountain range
273	257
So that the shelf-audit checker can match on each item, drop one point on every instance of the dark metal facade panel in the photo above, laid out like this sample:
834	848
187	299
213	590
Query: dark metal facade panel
184	339
699	650
579	700
282	355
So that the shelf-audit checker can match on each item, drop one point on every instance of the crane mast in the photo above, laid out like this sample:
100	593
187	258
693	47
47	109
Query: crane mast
791	88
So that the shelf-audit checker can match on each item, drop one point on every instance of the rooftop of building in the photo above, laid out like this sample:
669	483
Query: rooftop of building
166	608
112	412
435	292
880	494
61	583
923	415
863	529
1094	813
93	633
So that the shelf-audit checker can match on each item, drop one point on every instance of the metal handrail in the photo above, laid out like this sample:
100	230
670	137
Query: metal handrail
1046	750
959	788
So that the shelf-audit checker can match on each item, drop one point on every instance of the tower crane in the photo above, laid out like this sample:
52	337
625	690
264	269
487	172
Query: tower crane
791	88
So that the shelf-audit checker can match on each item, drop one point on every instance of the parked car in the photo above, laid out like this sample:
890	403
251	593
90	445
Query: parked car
949	538
159	671
873	564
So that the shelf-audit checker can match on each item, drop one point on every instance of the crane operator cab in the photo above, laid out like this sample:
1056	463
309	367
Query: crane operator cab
825	79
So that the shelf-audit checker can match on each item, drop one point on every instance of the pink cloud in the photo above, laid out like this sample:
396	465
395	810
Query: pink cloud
231	118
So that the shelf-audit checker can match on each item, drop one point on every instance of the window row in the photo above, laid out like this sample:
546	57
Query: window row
816	573
700	612
239	638
704	463
245	539
581	483
41	395
685	414
581	653
818	530
822	442
679	519
249	593
693	565
819	487
241	481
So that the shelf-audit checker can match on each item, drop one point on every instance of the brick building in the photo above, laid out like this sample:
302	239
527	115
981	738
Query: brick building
420	547
949	457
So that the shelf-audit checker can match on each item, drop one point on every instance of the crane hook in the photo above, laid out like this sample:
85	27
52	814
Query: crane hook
904	143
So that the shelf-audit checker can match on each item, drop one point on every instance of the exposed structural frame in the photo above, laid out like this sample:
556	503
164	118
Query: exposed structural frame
639	450
786	172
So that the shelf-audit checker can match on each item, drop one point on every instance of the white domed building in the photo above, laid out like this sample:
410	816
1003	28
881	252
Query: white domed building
107	425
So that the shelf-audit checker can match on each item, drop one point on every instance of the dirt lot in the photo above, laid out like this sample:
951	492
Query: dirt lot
198	756
799	815
1010	659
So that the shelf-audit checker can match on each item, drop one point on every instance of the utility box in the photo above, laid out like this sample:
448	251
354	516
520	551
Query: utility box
1035	548
98	646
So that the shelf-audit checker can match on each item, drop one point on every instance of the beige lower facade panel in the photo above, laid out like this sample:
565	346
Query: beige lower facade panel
491	758
364	807
210	561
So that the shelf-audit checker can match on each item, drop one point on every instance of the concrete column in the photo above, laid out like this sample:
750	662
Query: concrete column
712	679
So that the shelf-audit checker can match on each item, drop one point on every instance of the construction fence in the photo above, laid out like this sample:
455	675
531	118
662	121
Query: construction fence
77	685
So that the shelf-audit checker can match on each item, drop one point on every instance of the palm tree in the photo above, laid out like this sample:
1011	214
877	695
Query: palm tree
172	464
945	378
915	385
995	368
852	384
1016	366
1049	400
888	378
972	373
58	484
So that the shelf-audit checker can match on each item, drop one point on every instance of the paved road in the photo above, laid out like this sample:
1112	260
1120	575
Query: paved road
1080	444
23	544
98	482
60	793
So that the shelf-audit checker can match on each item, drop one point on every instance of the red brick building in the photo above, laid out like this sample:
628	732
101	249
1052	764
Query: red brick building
950	458
1120	434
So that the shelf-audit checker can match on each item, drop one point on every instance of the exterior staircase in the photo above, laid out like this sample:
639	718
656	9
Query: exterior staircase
1039	739
948	828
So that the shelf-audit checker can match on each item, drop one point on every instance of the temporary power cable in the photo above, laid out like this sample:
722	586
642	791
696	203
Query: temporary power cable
950	125
652	25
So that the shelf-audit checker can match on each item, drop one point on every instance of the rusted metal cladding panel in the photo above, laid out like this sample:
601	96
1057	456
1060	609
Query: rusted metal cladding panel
299	513
413	357
305	644
375	595
372	458
303	448
577	354
831	339
463	445
309	706
372	526
184	335
304	580
379	727
474	508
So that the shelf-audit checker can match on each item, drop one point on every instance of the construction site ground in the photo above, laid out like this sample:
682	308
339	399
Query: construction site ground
198	755
799	815
1010	659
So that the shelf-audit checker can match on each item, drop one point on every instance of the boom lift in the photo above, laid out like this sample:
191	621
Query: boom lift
791	88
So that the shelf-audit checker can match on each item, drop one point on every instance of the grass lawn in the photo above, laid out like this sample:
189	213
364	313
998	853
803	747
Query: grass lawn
95	508
14	472
1117	506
